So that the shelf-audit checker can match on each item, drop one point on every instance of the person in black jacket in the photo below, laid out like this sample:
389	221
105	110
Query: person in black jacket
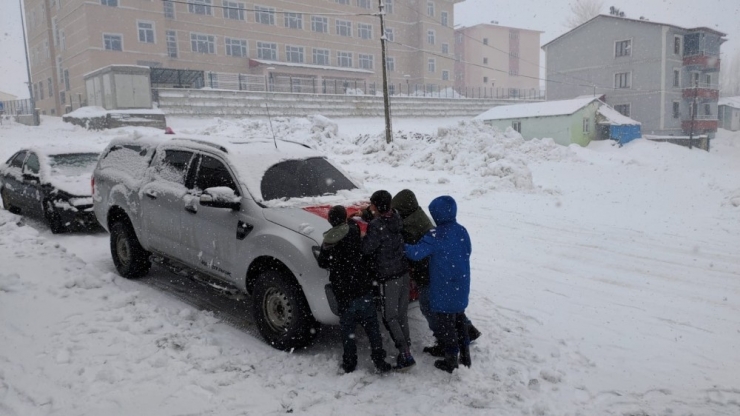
341	255
384	243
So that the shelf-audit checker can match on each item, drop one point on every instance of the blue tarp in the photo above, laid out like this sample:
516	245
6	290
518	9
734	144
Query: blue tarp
624	133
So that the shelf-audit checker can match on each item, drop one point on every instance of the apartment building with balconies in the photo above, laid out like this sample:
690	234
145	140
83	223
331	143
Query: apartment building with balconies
501	59
662	75
312	42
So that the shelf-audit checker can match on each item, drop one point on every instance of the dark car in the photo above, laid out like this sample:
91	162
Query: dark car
50	185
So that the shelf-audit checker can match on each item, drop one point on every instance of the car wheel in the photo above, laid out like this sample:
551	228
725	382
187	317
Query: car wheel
281	312
6	204
130	259
53	219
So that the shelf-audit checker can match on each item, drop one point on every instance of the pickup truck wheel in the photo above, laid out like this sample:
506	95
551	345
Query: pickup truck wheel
130	258
281	312
53	219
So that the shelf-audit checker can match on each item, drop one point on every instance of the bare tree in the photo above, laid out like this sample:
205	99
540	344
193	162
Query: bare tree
583	11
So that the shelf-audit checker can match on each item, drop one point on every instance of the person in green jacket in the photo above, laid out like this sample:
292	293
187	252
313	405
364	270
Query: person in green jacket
416	223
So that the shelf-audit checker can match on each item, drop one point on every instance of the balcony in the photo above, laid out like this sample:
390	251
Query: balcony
702	124
702	91
703	61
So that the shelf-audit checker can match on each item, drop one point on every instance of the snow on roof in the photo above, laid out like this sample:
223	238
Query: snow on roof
543	109
323	67
733	102
614	117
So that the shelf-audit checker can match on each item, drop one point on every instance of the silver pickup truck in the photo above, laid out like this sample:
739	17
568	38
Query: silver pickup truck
247	214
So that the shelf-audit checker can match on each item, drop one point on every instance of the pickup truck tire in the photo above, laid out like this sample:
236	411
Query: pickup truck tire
52	217
281	312
130	258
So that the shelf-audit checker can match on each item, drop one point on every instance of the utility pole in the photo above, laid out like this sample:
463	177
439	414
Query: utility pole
386	98
28	68
694	109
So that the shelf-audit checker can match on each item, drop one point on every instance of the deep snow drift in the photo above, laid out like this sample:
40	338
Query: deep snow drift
606	281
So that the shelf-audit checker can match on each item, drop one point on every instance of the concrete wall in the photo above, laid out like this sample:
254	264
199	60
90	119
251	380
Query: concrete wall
221	103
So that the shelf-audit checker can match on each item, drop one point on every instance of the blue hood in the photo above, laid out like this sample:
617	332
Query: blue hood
443	209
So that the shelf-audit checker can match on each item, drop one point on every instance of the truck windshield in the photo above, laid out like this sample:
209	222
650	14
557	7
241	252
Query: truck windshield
303	178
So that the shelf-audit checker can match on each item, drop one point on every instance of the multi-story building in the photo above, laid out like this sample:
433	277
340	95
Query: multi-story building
490	56
310	42
662	75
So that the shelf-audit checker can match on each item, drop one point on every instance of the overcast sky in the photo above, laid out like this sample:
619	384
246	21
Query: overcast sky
544	15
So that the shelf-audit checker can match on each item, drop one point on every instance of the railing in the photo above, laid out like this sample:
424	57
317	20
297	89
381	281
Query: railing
348	86
704	117
16	107
703	85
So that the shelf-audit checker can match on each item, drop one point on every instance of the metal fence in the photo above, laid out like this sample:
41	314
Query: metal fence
349	86
16	107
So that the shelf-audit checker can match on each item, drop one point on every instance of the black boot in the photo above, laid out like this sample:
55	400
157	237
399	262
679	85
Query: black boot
465	356
449	363
436	350
473	333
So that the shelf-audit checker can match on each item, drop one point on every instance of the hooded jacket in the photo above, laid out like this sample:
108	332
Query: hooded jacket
340	254
416	224
448	248
384	242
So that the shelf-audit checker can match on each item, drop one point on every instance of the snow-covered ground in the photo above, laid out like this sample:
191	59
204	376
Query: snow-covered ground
606	281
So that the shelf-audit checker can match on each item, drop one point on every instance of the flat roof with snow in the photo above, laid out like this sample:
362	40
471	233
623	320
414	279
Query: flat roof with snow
543	109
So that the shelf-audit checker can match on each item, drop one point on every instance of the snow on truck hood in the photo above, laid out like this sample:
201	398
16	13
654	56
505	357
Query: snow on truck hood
310	221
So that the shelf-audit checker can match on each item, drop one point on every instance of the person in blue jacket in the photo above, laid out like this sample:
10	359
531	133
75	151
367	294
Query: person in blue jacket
448	248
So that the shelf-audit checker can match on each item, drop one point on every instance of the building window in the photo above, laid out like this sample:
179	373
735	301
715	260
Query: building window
514	72
430	8
513	34
391	89
294	54
62	97
169	9
622	80
342	1
113	42
234	10
172	44
446	48
264	15
708	79
623	48
364	31
266	50
202	43
517	126
390	34
365	61
623	109
485	80
199	6
485	41
485	61
321	57
365	4
677	45
430	37
112	3
707	107
445	75
586	124
676	78
51	90
294	20
146	32
66	79
390	64
236	47
344	59
443	18
319	24
41	89
432	65
344	28
676	109
388	6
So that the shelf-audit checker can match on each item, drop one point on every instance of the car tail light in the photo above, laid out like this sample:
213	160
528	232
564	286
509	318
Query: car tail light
92	185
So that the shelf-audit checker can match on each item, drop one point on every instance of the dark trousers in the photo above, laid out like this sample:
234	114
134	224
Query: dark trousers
360	311
452	331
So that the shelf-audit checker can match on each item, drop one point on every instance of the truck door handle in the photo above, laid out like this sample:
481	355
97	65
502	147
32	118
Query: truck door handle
151	194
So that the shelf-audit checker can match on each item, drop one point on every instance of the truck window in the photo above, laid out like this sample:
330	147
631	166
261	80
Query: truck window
213	173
